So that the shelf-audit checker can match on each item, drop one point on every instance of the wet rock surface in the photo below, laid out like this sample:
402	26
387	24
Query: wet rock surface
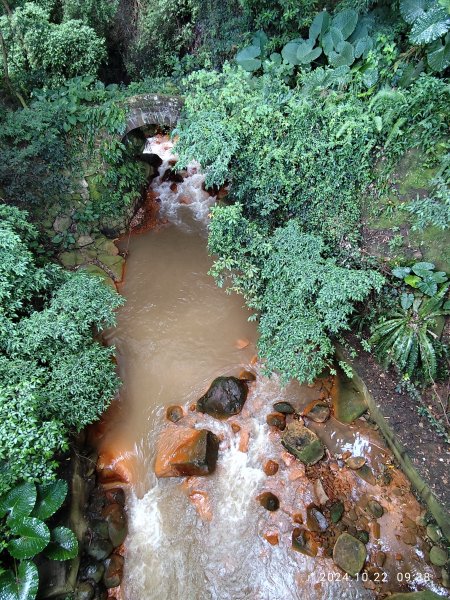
269	501
349	554
174	413
302	443
277	420
303	541
184	451
225	397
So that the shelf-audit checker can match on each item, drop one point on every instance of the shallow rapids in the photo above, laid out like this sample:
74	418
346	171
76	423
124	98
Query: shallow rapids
206	538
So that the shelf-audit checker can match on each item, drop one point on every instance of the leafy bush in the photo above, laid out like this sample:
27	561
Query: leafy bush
53	375
23	511
304	298
286	153
43	53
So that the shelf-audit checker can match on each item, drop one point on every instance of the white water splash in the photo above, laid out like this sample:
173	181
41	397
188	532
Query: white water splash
180	199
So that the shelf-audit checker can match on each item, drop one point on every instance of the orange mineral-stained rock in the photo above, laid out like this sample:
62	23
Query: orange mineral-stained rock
184	451
272	537
200	500
241	343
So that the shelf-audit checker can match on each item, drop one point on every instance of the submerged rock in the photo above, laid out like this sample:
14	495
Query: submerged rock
225	397
302	443
117	523
270	468
277	420
269	501
84	591
174	413
319	412
184	451
349	554
438	556
247	376
303	541
99	548
284	407
93	571
375	509
355	462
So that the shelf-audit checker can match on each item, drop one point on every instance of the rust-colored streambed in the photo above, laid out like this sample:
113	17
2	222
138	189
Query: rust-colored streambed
209	538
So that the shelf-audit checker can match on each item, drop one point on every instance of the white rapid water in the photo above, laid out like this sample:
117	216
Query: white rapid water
204	538
173	202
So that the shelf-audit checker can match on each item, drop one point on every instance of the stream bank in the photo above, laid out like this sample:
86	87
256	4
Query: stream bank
163	365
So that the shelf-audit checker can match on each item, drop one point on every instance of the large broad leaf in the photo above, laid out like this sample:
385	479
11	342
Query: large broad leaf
401	272
410	73
406	300
49	498
432	25
428	286
247	58
63	544
439	55
319	25
260	40
412	280
370	77
345	21
422	266
411	10
289	53
362	46
306	53
34	536
19	501
24	587
344	56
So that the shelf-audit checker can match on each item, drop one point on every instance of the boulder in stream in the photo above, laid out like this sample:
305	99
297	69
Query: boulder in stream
225	397
349	554
302	443
185	451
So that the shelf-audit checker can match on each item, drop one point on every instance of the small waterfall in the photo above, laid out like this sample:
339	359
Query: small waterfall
179	199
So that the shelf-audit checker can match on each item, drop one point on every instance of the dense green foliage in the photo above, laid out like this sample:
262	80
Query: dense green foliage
39	52
53	375
303	297
23	512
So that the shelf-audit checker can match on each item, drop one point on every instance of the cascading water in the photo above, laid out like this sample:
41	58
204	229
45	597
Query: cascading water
207	538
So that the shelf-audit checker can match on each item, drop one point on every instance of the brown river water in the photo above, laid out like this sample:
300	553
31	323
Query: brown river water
208	538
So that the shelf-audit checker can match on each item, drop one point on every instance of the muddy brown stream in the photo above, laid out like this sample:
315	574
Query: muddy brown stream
208	538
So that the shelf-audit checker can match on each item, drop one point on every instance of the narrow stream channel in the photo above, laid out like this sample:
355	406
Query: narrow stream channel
208	538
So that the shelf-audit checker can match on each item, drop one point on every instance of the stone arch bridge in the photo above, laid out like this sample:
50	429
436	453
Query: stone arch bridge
153	109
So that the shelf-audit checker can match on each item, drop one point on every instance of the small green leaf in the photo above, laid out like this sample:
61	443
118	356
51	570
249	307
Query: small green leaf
50	497
63	544
370	77
379	126
34	537
19	501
